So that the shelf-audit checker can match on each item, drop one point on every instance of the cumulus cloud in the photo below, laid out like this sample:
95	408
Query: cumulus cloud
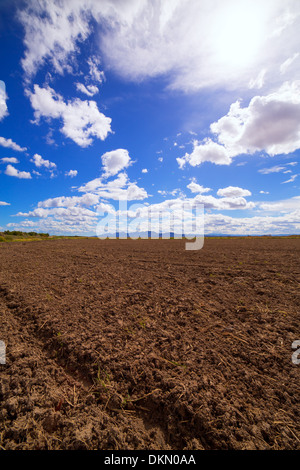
12	171
2	203
285	223
224	203
81	119
172	192
71	173
9	160
118	189
9	143
270	123
197	188
39	162
206	151
115	161
233	191
3	98
87	200
144	170
80	225
78	213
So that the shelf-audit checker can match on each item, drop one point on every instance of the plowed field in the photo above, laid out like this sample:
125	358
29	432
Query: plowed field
140	344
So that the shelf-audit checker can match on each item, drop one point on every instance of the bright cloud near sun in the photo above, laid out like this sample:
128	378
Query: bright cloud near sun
199	43
239	33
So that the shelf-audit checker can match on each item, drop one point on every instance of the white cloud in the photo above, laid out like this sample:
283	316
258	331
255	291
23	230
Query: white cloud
280	169
72	173
206	151
3	98
118	189
273	169
224	203
287	63
197	188
78	220
94	72
2	203
284	205
39	162
259	81
78	213
89	90
233	191
87	199
164	37
81	119
8	143
209	202
258	225
143	39
144	170
115	161
291	180
9	160
269	123
172	192
52	31
12	171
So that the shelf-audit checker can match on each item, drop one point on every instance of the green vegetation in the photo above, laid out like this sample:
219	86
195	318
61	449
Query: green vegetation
16	235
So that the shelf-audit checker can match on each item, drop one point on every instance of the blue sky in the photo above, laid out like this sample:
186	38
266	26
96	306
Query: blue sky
159	103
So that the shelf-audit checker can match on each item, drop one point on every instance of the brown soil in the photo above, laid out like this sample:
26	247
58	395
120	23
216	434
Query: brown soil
125	344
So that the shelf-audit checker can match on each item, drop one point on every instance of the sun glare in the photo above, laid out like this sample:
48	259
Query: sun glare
239	36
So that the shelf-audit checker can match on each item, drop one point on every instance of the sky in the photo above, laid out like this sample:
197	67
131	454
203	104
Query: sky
125	106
